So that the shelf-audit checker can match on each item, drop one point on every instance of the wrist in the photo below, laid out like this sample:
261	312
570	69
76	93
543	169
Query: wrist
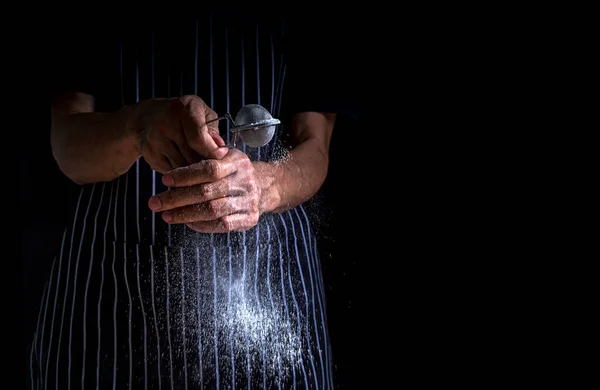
131	129
268	185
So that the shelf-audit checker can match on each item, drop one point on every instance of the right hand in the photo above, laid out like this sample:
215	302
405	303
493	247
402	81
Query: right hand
172	132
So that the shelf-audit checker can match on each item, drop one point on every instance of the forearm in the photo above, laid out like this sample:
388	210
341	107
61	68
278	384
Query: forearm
298	177
92	147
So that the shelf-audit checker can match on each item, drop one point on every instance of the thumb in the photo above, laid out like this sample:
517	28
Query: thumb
202	132
216	137
222	149
212	146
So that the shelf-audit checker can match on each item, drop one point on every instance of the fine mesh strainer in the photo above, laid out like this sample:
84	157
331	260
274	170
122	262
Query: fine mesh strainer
253	124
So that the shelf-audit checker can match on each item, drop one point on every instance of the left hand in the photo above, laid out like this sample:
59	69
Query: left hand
212	196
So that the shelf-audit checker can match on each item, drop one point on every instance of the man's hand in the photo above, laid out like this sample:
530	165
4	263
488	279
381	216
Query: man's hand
211	196
173	133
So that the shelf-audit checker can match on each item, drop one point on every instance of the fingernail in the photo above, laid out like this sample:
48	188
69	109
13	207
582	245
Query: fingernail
167	216
168	181
154	204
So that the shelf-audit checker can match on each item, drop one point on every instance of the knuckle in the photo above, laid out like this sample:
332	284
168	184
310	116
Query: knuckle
193	226
177	177
254	202
187	98
212	168
212	208
252	185
226	187
253	218
205	191
241	159
169	199
226	223
210	113
177	215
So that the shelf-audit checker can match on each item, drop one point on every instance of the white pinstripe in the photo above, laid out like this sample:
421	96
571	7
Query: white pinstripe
198	289
169	316
244	233
116	208
243	101
155	314
115	315
293	296
124	206
137	251
129	311
115	282
312	288
34	344
212	89
272	72
257	79
248	374
287	313
87	285
313	257
328	355
307	326
102	286
54	310
75	282
44	321
183	319
215	316
262	339
229	314
275	319
66	289
227	107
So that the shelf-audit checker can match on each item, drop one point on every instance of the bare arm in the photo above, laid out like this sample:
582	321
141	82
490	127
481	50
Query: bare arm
288	183
89	146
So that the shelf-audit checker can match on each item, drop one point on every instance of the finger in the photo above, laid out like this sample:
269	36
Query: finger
229	223
217	138
206	171
157	161
188	153
185	196
207	211
196	114
174	155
